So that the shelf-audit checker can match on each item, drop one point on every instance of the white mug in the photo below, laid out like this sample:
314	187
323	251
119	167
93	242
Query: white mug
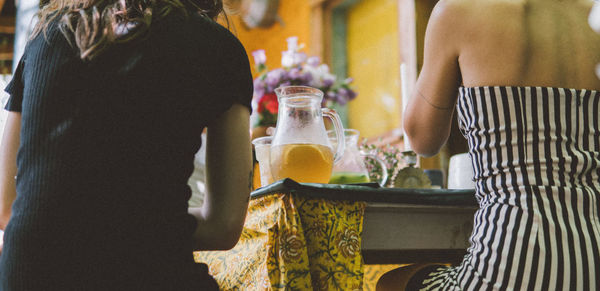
460	172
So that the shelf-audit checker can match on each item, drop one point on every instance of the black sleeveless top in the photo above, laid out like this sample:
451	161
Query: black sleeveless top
107	147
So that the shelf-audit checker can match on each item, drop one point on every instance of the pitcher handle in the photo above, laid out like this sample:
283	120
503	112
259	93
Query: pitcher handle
384	170
339	132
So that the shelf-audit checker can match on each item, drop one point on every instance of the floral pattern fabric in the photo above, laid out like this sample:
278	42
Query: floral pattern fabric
290	242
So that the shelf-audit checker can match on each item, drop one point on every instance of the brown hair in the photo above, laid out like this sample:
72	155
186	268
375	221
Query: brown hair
95	25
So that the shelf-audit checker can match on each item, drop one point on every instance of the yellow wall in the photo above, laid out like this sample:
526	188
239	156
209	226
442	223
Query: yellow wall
373	62
373	58
295	17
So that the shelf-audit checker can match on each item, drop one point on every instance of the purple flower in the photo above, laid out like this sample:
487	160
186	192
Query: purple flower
323	70
292	59
299	69
341	100
295	73
341	96
259	87
274	78
259	57
300	58
287	59
330	96
313	61
307	77
285	83
259	82
351	95
328	80
259	91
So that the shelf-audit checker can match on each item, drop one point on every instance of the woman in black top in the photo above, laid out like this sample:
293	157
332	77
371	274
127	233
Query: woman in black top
106	112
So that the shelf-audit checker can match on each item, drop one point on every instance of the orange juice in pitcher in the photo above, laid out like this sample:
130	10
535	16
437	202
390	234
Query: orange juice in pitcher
305	163
300	148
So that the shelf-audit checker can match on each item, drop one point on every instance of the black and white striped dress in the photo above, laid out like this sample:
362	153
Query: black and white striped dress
536	160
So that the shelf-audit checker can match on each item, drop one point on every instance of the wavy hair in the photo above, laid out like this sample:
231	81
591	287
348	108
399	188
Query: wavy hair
95	25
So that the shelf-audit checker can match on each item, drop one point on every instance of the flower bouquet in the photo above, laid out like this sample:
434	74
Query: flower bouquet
296	69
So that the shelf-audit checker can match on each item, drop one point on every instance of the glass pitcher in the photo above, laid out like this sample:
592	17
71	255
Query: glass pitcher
351	168
300	148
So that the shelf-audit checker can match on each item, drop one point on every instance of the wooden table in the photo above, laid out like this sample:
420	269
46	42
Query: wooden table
396	233
317	236
402	225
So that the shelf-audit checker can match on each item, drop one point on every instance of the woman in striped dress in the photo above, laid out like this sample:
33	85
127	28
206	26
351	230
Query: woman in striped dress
528	104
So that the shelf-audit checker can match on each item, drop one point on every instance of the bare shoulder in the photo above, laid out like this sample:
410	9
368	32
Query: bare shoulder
472	11
464	15
448	22
470	8
452	11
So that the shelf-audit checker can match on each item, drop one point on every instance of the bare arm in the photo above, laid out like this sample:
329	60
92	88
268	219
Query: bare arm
228	179
428	116
8	165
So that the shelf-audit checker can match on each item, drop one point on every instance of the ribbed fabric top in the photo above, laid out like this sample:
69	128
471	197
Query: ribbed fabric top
536	160
106	149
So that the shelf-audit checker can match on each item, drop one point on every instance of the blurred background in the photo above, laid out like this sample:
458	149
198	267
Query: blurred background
367	40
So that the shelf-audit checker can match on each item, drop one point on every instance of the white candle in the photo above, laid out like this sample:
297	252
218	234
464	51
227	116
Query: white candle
405	99
594	17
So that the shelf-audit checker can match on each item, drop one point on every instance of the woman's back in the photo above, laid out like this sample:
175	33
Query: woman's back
529	109
107	147
525	43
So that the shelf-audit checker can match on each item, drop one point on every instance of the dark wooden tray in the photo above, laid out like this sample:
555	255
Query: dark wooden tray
371	192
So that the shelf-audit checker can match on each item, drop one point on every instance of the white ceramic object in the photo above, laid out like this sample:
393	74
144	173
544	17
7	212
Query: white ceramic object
594	17
594	21
460	172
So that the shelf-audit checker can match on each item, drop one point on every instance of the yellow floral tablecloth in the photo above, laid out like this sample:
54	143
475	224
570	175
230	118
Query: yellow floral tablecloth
290	242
